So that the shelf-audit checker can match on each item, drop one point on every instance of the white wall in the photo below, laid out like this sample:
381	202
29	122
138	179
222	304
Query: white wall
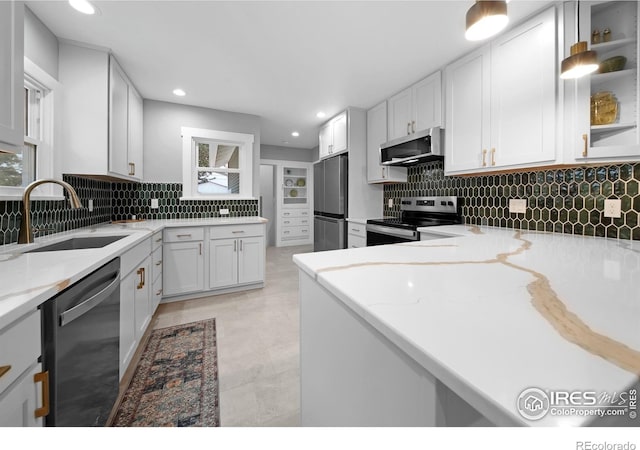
163	142
286	153
40	44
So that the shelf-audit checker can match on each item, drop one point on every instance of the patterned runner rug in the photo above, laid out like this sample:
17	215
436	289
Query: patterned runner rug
176	381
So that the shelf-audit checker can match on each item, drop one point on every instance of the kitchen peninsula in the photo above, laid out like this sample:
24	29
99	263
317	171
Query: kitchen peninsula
453	331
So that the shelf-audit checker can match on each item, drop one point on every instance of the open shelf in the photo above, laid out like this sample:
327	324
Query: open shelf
611	127
609	76
612	45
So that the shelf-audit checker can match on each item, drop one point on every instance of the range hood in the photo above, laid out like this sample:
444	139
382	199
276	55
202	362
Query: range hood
414	149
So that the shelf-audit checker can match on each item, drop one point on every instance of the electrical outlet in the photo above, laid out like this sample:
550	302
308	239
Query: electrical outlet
612	208
90	205
517	206
154	203
390	203
224	211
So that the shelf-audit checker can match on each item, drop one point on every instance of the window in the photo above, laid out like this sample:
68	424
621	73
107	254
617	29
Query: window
216	164
35	159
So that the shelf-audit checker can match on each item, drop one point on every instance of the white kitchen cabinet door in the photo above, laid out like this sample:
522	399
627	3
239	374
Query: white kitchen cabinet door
127	320
523	93
183	270
142	297
427	103
339	125
118	120
376	136
251	259
11	75
400	114
19	402
325	140
468	112
223	262
135	148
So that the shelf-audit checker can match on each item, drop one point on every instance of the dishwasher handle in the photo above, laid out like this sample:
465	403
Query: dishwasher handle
72	314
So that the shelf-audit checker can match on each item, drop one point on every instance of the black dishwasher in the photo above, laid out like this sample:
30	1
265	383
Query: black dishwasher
81	342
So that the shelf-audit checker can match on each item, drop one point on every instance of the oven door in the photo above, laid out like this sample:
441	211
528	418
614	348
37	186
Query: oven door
381	235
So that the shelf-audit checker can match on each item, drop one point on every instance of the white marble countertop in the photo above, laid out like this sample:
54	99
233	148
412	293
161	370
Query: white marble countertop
358	220
491	312
29	279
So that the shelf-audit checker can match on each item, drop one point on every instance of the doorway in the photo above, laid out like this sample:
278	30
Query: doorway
268	200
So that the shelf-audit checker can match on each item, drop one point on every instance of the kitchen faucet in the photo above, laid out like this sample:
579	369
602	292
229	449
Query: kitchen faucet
25	235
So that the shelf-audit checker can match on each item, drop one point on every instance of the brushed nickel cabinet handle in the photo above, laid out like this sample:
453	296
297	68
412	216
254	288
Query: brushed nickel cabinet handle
240	245
408	128
484	157
236	232
200	248
235	246
413	126
585	150
183	235
4	370
43	377
493	156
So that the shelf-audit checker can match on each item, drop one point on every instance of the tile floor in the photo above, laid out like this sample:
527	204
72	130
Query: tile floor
258	335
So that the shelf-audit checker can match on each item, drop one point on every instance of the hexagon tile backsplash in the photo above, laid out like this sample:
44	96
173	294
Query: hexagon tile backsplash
563	200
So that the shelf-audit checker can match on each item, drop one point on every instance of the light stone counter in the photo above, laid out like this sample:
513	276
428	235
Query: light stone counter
490	312
29	279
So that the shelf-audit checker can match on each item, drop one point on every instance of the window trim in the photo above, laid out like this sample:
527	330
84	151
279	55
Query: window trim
190	163
47	165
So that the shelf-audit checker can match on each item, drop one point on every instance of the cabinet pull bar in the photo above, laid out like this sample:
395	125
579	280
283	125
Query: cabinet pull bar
139	272
144	276
240	245
413	126
158	263
585	150
235	246
484	157
183	235
132	169
493	156
43	377
159	292
200	248
408	128
4	369
159	240
355	229
236	232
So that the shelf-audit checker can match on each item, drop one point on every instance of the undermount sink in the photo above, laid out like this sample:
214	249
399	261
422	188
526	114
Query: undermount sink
79	243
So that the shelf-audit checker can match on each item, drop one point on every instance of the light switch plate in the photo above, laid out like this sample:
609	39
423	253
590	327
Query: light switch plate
224	211
390	203
612	208
154	203
517	206
90	205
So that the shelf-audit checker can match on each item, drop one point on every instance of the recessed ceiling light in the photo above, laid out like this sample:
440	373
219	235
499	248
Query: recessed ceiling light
321	115
295	134
83	6
179	92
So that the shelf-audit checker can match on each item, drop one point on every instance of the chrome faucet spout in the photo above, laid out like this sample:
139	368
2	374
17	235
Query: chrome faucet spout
25	235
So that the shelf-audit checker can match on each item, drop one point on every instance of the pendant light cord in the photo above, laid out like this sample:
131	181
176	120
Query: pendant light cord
578	20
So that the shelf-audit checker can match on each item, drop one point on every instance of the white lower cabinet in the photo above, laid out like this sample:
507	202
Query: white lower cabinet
21	390
136	302
184	262
356	235
236	261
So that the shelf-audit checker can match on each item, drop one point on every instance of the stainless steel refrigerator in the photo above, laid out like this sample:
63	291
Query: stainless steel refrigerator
330	203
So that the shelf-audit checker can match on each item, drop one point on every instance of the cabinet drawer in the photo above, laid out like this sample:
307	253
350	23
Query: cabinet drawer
156	241
236	231
131	259
295	213
156	264
295	232
183	234
156	294
20	343
295	221
357	229
355	241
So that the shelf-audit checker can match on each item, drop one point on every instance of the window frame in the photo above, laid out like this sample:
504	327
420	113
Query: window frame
190	139
46	158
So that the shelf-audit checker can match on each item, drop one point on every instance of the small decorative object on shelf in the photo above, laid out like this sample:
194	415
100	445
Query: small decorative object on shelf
595	37
613	64
300	182
606	35
288	182
604	108
293	193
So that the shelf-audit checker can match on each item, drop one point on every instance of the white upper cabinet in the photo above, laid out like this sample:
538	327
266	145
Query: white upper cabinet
376	136
416	108
601	140
333	136
102	115
11	76
501	101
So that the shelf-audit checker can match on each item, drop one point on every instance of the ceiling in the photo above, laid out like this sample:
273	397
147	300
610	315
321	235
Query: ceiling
281	60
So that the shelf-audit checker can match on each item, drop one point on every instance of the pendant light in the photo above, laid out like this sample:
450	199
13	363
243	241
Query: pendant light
485	19
581	61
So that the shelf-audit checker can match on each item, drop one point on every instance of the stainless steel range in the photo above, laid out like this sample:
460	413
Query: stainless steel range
417	212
